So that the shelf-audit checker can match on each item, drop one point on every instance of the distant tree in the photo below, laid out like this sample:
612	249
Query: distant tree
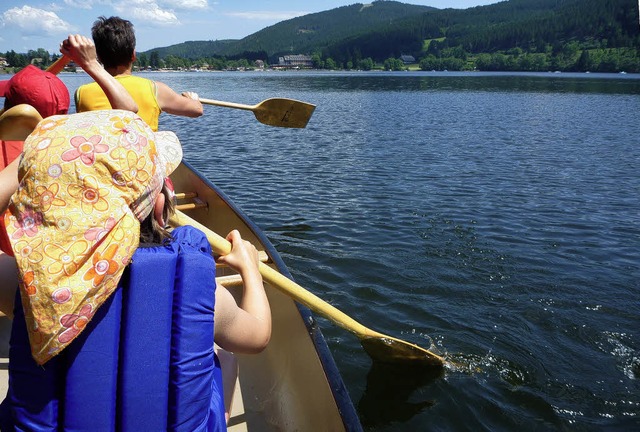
453	64
217	63
41	56
142	60
429	63
366	64
154	60
584	63
536	62
316	58
394	64
16	60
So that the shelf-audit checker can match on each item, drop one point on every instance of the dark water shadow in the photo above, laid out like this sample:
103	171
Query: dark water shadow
387	396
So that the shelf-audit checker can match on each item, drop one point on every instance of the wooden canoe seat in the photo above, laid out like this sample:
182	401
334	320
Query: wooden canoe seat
190	201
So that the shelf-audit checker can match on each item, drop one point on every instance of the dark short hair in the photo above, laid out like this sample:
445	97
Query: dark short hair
115	41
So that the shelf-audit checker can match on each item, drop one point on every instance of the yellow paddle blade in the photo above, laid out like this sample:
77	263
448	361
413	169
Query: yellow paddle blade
284	112
387	349
280	112
18	122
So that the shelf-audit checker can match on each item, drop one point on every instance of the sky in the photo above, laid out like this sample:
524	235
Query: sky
29	25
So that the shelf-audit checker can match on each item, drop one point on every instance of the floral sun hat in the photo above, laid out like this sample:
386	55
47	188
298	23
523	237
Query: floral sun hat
86	182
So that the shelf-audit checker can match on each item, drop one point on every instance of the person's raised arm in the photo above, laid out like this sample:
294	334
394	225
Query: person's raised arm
188	104
82	51
243	328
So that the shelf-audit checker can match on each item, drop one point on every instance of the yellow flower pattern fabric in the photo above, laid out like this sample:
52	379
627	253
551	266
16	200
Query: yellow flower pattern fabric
86	180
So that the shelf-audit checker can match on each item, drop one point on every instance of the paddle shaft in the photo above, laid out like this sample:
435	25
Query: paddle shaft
221	246
228	104
57	66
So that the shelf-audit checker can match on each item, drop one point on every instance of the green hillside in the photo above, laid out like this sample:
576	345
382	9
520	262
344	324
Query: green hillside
532	26
306	34
533	34
303	34
194	49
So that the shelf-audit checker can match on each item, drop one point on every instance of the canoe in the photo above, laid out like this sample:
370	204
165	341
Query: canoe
294	384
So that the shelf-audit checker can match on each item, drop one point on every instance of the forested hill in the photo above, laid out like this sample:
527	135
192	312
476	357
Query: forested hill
527	24
531	26
557	30
303	34
310	32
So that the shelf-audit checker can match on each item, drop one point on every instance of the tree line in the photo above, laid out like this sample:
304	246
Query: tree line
571	57
39	57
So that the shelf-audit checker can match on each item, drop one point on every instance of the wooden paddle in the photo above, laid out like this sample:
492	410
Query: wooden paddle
280	112
57	66
18	122
379	346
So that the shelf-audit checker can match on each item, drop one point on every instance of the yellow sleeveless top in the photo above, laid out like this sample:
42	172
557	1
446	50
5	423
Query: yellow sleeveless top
90	97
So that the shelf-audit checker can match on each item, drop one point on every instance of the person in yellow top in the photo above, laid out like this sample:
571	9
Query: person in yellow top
115	43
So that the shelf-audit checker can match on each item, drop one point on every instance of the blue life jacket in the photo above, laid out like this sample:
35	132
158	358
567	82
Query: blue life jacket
145	362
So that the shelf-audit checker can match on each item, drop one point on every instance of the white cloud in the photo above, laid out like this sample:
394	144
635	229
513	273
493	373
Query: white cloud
34	22
185	4
267	15
147	12
154	15
79	4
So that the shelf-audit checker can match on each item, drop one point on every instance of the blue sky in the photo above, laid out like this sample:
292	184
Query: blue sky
34	24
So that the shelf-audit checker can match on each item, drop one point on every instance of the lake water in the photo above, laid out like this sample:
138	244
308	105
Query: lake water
494	217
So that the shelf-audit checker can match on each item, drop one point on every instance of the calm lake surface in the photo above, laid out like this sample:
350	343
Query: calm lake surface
493	217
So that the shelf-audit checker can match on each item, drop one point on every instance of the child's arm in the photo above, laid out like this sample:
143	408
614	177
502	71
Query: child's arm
244	328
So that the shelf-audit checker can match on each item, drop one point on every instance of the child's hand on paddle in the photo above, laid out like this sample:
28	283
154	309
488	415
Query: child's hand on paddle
243	256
